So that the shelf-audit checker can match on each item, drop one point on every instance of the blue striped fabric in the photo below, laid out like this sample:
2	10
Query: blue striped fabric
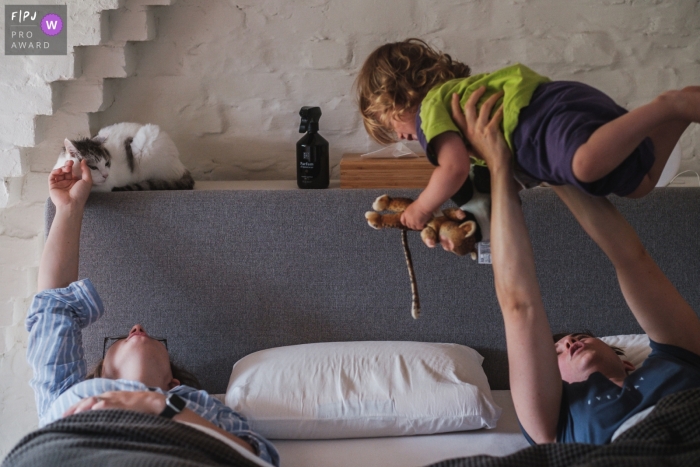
55	352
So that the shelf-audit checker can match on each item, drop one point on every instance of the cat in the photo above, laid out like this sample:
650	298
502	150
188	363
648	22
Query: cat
129	156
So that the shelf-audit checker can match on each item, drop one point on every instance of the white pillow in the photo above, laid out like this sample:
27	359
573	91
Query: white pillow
362	389
636	347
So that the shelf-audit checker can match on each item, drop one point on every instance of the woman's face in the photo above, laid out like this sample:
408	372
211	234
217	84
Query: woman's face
139	357
579	355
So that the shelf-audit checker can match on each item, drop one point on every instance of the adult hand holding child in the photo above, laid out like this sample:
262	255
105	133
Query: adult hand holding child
482	132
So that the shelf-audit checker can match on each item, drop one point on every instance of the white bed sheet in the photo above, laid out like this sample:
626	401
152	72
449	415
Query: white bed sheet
407	451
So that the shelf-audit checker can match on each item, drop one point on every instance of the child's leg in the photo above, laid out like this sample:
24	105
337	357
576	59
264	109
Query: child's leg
664	139
663	120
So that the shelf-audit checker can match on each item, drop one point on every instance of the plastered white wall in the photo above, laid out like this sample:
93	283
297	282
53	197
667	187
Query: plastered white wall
227	78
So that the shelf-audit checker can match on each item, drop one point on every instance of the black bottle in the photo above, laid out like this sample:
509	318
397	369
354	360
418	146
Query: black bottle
313	170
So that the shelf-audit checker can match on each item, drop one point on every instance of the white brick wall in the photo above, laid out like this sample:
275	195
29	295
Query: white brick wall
227	79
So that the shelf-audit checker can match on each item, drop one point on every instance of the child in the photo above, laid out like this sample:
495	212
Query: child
560	132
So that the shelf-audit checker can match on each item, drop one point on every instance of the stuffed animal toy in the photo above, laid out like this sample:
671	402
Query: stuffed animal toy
453	229
456	230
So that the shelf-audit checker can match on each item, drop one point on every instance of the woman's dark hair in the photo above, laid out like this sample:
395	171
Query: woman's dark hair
560	335
179	373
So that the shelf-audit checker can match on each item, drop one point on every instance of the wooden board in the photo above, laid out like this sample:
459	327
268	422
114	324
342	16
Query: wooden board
360	172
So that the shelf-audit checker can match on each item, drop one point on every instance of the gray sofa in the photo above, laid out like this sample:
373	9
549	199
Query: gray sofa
224	273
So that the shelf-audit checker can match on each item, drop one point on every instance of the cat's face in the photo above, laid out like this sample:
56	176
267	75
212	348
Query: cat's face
94	153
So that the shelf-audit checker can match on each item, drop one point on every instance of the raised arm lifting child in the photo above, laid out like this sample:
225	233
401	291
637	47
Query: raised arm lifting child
561	132
579	390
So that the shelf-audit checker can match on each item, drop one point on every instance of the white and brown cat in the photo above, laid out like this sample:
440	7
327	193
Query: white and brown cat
129	156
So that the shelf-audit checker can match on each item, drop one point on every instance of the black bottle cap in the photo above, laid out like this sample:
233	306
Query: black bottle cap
309	119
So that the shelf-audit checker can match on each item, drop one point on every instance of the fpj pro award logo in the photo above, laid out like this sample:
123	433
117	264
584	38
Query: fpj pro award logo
35	29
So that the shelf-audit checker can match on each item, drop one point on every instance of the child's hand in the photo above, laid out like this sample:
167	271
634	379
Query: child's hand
483	134
415	217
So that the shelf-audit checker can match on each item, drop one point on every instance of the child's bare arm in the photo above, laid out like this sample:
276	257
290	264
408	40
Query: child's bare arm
447	178
656	304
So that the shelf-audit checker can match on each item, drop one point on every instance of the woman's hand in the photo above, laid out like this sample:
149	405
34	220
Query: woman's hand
67	188
147	402
483	134
137	401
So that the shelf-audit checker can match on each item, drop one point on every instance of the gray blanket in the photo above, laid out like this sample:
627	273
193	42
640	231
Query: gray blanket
669	435
121	438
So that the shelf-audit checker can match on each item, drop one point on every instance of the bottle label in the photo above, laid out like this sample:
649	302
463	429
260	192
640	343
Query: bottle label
308	168
312	162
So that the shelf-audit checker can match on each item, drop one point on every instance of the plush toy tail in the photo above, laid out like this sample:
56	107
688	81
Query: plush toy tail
415	301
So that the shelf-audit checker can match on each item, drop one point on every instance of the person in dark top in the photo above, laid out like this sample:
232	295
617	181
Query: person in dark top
578	390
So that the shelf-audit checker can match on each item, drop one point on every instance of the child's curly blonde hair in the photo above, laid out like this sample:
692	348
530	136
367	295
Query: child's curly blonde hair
394	80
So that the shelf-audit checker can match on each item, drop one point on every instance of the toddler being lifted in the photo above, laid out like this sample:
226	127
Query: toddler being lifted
560	132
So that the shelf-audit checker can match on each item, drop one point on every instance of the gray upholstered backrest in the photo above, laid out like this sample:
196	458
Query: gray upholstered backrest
225	273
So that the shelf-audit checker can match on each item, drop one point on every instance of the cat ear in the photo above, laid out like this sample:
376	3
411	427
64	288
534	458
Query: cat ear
99	139
70	148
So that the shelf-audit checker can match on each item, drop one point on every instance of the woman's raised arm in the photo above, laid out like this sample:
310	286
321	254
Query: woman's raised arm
69	193
535	380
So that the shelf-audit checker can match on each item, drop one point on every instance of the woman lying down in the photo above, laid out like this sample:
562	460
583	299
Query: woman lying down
133	411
